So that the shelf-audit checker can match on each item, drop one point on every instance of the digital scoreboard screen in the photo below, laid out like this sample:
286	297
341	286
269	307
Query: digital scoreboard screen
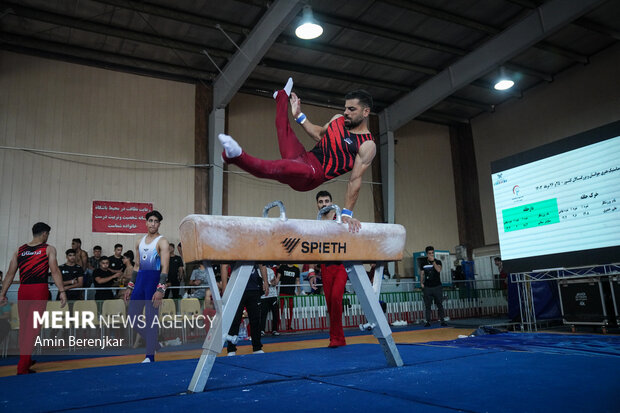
559	205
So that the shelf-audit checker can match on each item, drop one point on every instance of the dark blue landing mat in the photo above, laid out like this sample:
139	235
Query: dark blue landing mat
434	378
541	342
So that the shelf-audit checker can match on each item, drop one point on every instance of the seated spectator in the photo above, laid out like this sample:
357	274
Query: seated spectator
199	278
104	278
72	276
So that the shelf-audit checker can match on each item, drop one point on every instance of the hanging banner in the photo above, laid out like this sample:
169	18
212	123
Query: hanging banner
120	217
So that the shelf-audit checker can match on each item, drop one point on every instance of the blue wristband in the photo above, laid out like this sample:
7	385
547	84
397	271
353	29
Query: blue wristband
301	118
347	213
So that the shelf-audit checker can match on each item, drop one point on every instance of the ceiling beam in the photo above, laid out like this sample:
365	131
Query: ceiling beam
178	15
234	28
114	31
256	44
581	22
102	59
482	27
541	23
195	48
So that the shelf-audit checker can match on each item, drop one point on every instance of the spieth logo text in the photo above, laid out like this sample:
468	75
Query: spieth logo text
311	247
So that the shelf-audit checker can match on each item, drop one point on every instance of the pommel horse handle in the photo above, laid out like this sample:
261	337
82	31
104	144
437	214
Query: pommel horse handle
328	208
278	204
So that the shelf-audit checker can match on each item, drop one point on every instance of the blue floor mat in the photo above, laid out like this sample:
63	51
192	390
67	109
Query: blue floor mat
472	375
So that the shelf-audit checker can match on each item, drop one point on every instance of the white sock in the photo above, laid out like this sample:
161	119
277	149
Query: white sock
231	147
287	88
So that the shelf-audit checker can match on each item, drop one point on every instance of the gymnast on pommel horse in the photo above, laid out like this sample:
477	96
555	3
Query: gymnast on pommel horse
343	144
222	239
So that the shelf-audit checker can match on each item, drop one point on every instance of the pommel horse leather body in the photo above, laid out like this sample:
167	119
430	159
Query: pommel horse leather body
247	241
230	238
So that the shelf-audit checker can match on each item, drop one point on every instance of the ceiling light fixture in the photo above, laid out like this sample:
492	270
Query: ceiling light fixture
308	27
504	82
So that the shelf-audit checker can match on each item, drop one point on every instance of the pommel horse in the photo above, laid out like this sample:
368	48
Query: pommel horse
247	241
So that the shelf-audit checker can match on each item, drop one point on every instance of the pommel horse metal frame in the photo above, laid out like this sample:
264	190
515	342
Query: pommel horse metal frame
219	239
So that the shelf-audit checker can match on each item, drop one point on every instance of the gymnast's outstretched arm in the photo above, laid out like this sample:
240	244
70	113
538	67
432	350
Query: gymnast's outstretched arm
316	132
365	155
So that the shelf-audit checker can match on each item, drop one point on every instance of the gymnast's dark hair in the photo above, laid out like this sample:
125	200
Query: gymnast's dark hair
363	96
323	193
39	228
155	214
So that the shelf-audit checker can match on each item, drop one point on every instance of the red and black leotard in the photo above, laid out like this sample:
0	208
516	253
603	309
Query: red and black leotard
33	264
337	150
333	156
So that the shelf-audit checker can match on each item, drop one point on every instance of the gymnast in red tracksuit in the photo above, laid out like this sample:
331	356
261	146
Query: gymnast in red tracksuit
334	277
344	144
34	261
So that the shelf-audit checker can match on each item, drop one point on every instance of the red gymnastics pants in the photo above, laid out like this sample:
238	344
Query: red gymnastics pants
334	280
298	169
30	298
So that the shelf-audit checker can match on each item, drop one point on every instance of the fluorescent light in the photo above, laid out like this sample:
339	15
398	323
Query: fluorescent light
504	82
308	27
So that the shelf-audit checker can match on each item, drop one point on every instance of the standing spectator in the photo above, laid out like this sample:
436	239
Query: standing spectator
93	264
269	303
116	260
430	281
199	278
334	278
104	278
503	276
256	286
290	285
175	274
72	276
34	260
81	257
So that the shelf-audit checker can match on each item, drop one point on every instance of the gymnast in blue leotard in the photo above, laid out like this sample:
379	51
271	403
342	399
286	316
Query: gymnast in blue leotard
148	282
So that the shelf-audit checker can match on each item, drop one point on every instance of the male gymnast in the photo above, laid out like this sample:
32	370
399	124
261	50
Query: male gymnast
343	144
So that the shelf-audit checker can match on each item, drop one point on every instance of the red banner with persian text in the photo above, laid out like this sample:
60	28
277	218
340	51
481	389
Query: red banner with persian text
120	217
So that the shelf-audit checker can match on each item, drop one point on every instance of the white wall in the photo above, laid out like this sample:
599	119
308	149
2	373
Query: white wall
582	98
58	106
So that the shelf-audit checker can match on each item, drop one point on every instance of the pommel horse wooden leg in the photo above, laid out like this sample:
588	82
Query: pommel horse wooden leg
225	312
369	299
